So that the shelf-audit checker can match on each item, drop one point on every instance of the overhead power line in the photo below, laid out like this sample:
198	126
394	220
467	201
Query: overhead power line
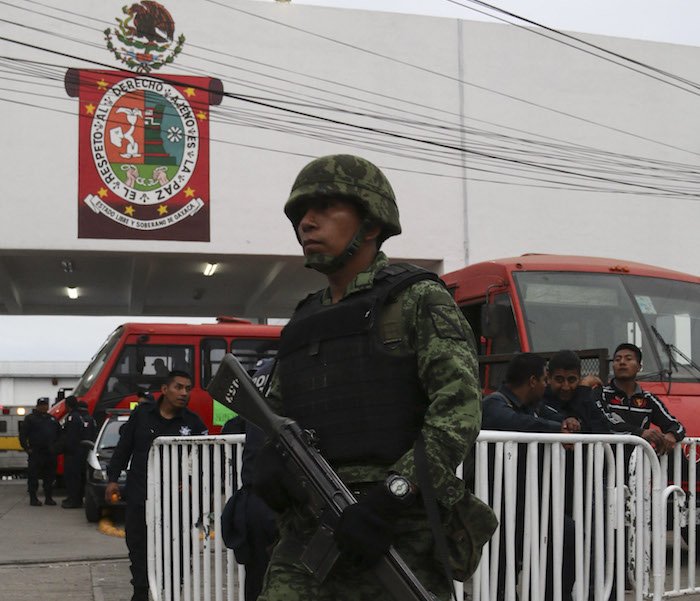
608	55
618	130
443	140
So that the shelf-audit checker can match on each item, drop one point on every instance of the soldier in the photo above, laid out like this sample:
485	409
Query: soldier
378	360
39	435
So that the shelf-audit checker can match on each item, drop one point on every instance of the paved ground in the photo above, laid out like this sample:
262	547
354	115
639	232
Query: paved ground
51	553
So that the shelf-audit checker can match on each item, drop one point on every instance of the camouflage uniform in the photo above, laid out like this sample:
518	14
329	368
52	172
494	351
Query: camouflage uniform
438	335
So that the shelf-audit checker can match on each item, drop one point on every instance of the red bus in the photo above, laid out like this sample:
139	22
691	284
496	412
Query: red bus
136	357
544	303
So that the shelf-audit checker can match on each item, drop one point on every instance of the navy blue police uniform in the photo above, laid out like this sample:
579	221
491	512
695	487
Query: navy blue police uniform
38	436
248	524
136	436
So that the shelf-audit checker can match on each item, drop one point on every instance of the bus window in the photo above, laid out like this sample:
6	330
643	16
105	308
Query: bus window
505	339
98	361
144	367
213	351
250	350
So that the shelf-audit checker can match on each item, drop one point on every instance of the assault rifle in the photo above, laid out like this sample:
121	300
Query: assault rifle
328	495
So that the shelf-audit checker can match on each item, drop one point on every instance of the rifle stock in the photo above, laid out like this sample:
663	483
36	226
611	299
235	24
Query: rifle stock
328	495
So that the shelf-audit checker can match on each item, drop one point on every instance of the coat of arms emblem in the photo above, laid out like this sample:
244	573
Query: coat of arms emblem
145	37
143	138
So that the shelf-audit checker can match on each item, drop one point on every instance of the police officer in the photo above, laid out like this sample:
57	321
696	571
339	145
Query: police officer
78	426
167	417
247	523
376	360
39	436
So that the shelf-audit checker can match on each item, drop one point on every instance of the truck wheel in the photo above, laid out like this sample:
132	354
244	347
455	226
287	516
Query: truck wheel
92	511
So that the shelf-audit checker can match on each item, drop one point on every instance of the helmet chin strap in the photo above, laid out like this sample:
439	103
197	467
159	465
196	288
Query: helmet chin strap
327	264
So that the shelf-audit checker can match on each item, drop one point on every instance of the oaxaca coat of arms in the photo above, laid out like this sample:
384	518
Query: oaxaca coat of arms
143	139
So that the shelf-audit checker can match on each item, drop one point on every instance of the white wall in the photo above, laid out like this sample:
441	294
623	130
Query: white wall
23	382
249	185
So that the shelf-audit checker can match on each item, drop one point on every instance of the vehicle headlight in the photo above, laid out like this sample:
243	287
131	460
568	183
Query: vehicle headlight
100	475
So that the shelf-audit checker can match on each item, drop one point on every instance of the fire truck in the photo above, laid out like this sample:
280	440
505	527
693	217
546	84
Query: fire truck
136	358
546	303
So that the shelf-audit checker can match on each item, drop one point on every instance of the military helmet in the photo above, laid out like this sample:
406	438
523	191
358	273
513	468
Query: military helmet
350	178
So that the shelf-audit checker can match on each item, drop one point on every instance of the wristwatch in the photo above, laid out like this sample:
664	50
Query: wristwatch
400	489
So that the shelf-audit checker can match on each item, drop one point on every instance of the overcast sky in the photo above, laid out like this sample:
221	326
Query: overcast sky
673	21
44	338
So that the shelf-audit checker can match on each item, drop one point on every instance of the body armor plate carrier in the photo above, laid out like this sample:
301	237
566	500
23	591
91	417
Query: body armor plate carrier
339	378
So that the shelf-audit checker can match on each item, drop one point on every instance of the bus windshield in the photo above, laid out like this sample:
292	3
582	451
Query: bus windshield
591	310
98	361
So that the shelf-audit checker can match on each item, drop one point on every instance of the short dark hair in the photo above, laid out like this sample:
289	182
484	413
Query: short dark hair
522	366
628	346
177	373
564	360
71	402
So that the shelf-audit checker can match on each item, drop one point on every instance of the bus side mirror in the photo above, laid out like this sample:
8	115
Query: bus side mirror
493	320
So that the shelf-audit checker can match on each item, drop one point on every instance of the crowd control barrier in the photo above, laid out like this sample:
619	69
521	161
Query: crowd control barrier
607	501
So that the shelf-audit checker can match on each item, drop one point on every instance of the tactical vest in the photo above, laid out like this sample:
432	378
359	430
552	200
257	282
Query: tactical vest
338	377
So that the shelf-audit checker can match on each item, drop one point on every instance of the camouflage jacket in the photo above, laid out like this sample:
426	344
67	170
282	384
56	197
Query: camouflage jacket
436	331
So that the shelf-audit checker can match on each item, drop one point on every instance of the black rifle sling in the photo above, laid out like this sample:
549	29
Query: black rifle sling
431	508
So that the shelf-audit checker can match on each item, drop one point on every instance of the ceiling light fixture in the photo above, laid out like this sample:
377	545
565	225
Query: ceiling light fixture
210	269
72	293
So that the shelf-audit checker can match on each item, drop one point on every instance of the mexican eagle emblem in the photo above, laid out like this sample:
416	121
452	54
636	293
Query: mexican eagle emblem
145	38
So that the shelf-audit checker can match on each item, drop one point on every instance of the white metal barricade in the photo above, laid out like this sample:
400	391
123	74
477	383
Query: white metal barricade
531	480
189	480
681	512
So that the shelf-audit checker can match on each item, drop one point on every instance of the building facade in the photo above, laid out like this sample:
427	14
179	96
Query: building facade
498	142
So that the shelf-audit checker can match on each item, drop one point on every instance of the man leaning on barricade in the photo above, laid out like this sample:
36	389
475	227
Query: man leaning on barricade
632	410
517	406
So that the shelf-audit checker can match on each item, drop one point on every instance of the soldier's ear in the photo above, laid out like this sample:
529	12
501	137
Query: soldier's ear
373	232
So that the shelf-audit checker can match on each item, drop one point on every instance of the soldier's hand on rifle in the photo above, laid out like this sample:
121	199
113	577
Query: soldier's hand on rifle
365	530
273	482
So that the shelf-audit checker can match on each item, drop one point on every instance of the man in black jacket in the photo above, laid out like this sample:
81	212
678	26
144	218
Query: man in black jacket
39	434
517	406
567	396
168	417
633	410
248	524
